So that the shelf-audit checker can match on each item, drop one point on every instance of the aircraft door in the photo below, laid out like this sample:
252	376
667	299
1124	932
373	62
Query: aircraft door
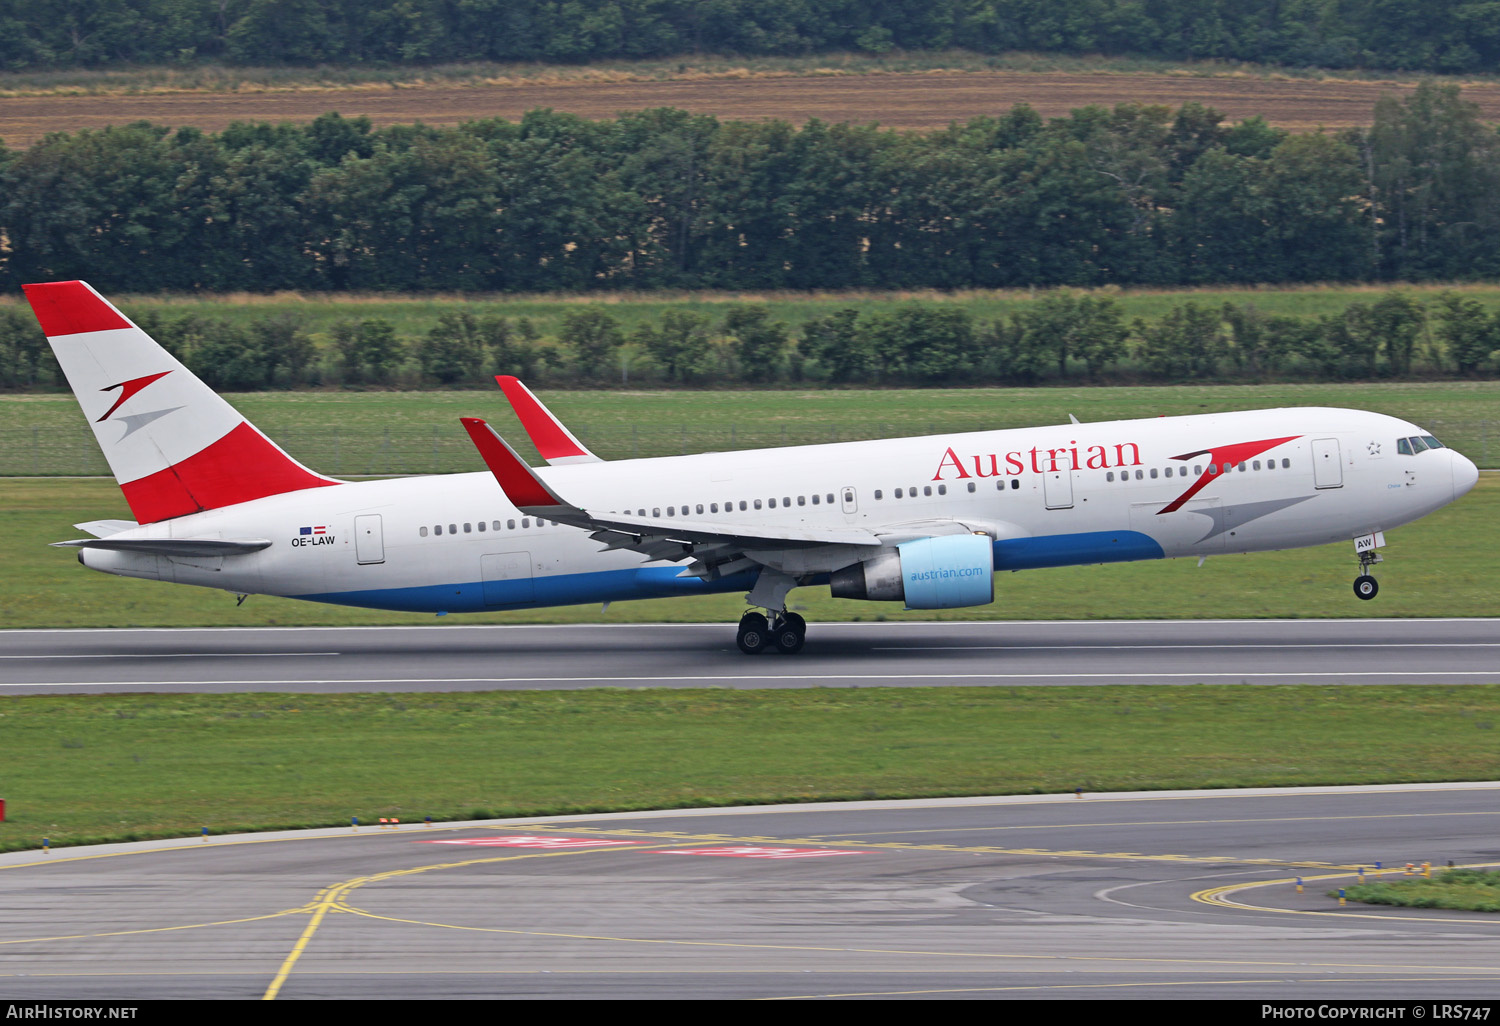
369	539
1328	470
851	503
507	578
1057	486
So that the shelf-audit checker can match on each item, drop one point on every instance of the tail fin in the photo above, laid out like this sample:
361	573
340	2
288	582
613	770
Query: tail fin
174	446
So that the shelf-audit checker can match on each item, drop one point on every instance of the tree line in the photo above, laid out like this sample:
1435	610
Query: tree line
1064	336
1430	35
1134	195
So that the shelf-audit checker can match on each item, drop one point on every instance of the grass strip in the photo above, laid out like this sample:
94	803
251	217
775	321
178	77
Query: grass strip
89	769
1473	890
415	315
352	433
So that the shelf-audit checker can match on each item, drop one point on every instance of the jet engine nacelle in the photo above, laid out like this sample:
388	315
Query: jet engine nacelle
929	573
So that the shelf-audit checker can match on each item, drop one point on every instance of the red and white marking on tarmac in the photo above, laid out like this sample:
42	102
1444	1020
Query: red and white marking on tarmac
740	852
526	841
733	852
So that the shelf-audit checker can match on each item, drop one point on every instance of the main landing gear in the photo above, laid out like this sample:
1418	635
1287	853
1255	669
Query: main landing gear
787	632
1365	586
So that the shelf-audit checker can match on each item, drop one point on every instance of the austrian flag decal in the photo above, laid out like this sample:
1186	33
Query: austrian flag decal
312	536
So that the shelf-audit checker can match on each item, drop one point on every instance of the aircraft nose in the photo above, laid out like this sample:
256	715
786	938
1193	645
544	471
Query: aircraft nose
1465	474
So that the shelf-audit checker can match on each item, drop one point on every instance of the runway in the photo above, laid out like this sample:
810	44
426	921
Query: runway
1155	895
1451	651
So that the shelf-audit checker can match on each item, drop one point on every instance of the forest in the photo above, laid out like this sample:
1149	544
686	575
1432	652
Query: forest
1443	36
664	199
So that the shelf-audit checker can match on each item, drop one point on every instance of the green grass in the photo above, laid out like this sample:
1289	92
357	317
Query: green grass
352	433
1474	890
416	315
82	769
1443	565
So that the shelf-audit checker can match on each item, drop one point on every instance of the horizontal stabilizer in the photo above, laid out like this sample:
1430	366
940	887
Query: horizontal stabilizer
105	528
170	546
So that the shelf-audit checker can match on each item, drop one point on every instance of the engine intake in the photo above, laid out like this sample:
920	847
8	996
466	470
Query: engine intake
929	573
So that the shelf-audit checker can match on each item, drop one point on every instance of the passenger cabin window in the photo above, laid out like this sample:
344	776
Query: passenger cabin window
422	531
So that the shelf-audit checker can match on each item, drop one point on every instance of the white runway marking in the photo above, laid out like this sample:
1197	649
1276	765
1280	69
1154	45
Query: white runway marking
179	655
608	681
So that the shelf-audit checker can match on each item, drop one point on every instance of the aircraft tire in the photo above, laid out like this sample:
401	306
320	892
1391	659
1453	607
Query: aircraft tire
754	634
1366	587
789	639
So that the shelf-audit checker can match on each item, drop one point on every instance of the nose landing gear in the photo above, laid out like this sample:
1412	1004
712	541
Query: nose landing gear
1365	586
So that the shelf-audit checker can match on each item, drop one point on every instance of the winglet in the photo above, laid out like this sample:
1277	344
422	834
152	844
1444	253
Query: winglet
555	443
72	308
527	492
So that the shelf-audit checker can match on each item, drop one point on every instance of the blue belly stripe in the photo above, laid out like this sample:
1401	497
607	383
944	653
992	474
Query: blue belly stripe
1074	549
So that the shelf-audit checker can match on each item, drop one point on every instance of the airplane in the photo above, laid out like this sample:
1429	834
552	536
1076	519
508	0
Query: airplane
926	521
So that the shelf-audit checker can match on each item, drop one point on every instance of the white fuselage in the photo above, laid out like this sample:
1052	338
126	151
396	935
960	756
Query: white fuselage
1048	496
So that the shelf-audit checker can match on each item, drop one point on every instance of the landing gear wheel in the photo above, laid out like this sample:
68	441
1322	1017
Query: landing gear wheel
754	634
791	635
1366	587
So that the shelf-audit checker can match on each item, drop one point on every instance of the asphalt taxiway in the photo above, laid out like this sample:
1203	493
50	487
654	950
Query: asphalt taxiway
1450	651
1154	895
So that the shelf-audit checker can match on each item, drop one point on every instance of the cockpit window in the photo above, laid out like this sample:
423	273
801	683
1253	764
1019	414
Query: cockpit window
1432	443
1417	445
1403	446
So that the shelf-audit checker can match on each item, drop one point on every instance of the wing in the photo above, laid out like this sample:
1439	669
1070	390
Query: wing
554	443
717	548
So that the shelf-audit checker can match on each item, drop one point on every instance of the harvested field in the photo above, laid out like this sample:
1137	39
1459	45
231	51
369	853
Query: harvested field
924	100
